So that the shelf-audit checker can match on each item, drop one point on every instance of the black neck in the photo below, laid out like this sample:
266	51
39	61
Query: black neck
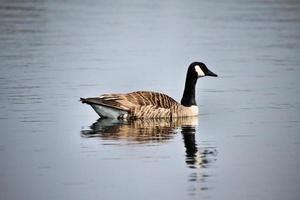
188	98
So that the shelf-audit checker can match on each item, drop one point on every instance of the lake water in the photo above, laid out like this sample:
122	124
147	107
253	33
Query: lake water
245	144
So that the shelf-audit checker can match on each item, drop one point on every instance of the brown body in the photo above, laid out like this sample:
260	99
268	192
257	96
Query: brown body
143	104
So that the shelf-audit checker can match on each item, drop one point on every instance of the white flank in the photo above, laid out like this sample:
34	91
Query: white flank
108	112
199	71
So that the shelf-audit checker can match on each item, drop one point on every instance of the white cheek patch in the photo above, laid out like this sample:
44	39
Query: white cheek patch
199	71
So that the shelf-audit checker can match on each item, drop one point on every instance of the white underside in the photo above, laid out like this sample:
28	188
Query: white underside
108	112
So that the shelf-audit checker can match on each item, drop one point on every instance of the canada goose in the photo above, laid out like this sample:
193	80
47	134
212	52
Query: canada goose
146	104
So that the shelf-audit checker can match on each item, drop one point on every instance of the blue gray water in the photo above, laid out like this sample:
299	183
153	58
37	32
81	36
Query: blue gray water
244	145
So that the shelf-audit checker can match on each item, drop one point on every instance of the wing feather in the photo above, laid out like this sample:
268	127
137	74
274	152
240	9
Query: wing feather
140	100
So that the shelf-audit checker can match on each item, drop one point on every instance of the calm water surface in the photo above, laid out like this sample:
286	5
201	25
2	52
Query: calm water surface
244	145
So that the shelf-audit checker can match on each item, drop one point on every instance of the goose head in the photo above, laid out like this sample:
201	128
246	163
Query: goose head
195	71
199	69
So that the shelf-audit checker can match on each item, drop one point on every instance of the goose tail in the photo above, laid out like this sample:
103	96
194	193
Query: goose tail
104	110
83	100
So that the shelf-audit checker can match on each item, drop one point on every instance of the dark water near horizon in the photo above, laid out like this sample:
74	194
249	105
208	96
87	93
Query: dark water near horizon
245	144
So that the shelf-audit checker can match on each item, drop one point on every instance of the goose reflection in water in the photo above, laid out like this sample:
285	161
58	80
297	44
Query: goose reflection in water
154	131
194	157
139	131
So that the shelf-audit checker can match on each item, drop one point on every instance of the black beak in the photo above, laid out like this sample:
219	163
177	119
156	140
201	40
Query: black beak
210	73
